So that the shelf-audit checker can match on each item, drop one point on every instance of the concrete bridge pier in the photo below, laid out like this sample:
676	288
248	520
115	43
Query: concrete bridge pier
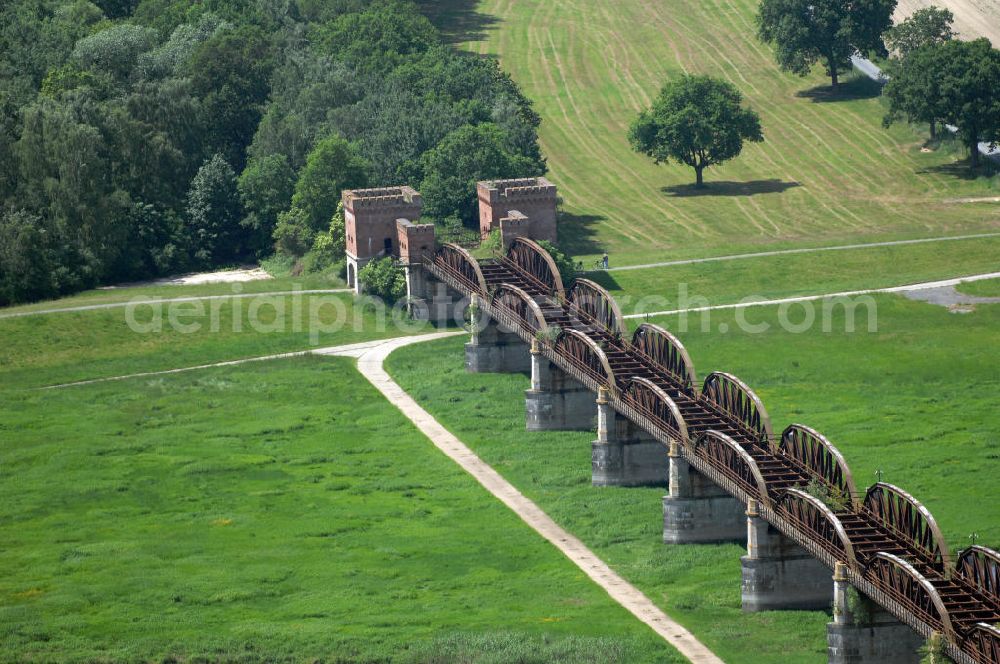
624	454
696	510
864	633
778	574
556	401
429	299
494	348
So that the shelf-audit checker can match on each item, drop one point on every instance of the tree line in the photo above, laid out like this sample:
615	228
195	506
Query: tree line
144	137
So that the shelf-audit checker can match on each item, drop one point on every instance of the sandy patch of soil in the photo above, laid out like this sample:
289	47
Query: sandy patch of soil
984	199
973	18
196	278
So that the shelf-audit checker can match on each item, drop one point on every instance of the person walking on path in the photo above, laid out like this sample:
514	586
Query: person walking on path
604	260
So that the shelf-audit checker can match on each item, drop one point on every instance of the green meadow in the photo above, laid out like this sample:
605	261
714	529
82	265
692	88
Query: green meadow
63	347
280	511
768	277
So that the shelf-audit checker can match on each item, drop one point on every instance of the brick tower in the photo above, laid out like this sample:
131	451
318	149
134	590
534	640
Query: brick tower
370	217
535	198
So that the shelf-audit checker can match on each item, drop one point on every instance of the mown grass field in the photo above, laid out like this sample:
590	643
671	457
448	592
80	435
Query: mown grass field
915	400
281	511
826	172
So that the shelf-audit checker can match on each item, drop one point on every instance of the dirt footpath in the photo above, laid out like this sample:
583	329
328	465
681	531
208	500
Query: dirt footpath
973	18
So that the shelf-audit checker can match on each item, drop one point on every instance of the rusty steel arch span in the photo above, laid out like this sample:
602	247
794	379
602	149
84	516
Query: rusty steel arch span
737	467
983	642
905	585
651	401
597	305
979	566
904	514
584	353
806	447
532	259
813	516
667	352
464	266
735	398
521	305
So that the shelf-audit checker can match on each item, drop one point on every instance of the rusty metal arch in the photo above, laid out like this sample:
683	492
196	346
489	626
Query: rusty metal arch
903	513
901	581
734	463
650	400
984	640
809	448
979	566
734	397
459	260
533	259
517	301
586	355
596	302
813	515
667	352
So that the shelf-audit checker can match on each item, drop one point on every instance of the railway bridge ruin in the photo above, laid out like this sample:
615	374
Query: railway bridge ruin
729	476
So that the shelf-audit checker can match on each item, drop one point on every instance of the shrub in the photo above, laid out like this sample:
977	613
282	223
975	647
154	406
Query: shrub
292	235
385	278
327	248
830	496
567	268
860	608
278	265
933	650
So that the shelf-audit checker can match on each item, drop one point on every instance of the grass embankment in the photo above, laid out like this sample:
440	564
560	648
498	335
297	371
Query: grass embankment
985	288
827	169
65	347
279	512
915	400
769	277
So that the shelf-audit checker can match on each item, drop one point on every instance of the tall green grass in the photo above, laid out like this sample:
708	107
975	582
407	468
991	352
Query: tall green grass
276	512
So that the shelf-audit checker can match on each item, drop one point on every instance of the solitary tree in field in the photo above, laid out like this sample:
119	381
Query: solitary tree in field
930	25
805	32
955	81
696	120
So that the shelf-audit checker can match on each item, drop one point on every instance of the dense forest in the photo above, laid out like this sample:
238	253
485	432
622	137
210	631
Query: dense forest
144	137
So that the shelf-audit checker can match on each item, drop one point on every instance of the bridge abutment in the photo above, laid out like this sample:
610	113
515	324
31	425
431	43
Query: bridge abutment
864	633
623	454
556	401
696	510
493	348
778	574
